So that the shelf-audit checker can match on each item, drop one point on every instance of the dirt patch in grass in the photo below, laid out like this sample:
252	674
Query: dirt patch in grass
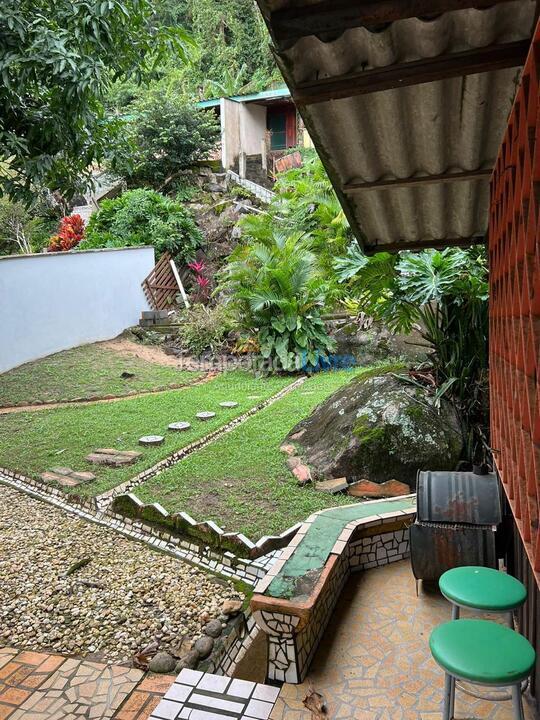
149	353
86	372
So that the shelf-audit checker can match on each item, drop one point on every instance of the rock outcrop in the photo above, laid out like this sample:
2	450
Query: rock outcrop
379	428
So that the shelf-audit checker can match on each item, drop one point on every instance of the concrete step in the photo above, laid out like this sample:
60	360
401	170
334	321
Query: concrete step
196	695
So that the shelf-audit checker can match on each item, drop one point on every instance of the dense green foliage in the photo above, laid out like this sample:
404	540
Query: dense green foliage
278	292
167	135
144	217
232	54
204	328
57	60
234	44
26	229
305	203
446	293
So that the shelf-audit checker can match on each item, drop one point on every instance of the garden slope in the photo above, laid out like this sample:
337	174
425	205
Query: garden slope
242	481
32	442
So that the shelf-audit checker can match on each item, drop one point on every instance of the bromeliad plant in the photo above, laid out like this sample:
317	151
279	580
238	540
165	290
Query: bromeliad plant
277	291
446	293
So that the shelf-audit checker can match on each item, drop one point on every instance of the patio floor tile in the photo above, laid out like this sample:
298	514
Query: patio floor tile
374	661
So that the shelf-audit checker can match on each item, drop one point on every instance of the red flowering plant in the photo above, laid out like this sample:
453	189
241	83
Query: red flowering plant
202	294
69	235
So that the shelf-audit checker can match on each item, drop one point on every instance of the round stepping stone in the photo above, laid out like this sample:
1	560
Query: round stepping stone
228	404
179	426
206	415
151	440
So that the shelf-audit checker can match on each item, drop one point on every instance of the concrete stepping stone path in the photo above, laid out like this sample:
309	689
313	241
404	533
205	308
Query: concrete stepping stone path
151	440
67	477
179	426
332	486
206	415
113	457
228	404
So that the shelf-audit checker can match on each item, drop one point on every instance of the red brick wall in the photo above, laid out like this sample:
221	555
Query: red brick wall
514	251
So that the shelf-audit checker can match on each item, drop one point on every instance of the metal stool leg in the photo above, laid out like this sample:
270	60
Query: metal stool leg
517	702
510	618
455	612
449	692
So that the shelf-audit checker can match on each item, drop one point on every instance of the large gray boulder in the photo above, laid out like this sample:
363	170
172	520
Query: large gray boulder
367	345
380	428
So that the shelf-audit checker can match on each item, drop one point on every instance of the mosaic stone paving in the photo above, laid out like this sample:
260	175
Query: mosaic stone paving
38	686
374	662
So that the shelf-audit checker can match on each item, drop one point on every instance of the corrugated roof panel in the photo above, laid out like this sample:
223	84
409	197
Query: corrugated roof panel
448	126
407	40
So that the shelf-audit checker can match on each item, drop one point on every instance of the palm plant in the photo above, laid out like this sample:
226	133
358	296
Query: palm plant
446	293
276	288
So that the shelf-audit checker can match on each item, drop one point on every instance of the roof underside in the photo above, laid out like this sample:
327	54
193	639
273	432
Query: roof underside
406	111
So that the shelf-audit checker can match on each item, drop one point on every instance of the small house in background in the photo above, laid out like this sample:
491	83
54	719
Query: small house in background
257	130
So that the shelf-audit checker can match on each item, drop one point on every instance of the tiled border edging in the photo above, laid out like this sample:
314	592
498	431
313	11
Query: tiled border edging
294	627
154	516
227	564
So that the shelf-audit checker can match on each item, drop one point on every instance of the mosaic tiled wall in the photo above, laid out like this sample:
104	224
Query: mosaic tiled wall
294	629
514	253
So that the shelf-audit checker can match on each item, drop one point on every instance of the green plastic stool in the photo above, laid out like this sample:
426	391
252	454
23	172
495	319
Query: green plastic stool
482	588
482	653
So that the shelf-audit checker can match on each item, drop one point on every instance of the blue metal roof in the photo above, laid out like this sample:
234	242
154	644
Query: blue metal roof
275	94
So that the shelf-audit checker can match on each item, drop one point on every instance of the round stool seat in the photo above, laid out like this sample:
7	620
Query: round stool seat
482	588
482	652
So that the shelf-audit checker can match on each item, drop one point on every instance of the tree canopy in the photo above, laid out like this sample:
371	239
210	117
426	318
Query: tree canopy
58	59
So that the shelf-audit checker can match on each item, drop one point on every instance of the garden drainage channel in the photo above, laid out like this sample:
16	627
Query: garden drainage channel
105	499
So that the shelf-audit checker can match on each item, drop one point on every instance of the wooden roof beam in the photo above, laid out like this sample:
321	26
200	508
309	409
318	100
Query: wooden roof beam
466	175
414	245
335	16
467	62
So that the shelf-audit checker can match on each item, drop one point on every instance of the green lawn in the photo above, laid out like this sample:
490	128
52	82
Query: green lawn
241	481
32	442
89	371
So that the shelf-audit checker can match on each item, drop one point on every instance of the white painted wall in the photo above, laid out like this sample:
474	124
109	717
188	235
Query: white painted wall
55	301
230	132
252	128
243	128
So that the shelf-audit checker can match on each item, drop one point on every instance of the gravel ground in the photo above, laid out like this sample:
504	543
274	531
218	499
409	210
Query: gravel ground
141	596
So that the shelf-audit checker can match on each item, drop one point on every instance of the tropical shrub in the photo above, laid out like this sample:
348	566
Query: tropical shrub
16	228
167	135
202	282
445	292
306	203
70	234
277	291
204	328
144	217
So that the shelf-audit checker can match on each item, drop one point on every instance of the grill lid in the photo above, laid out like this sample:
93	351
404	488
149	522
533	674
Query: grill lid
458	497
